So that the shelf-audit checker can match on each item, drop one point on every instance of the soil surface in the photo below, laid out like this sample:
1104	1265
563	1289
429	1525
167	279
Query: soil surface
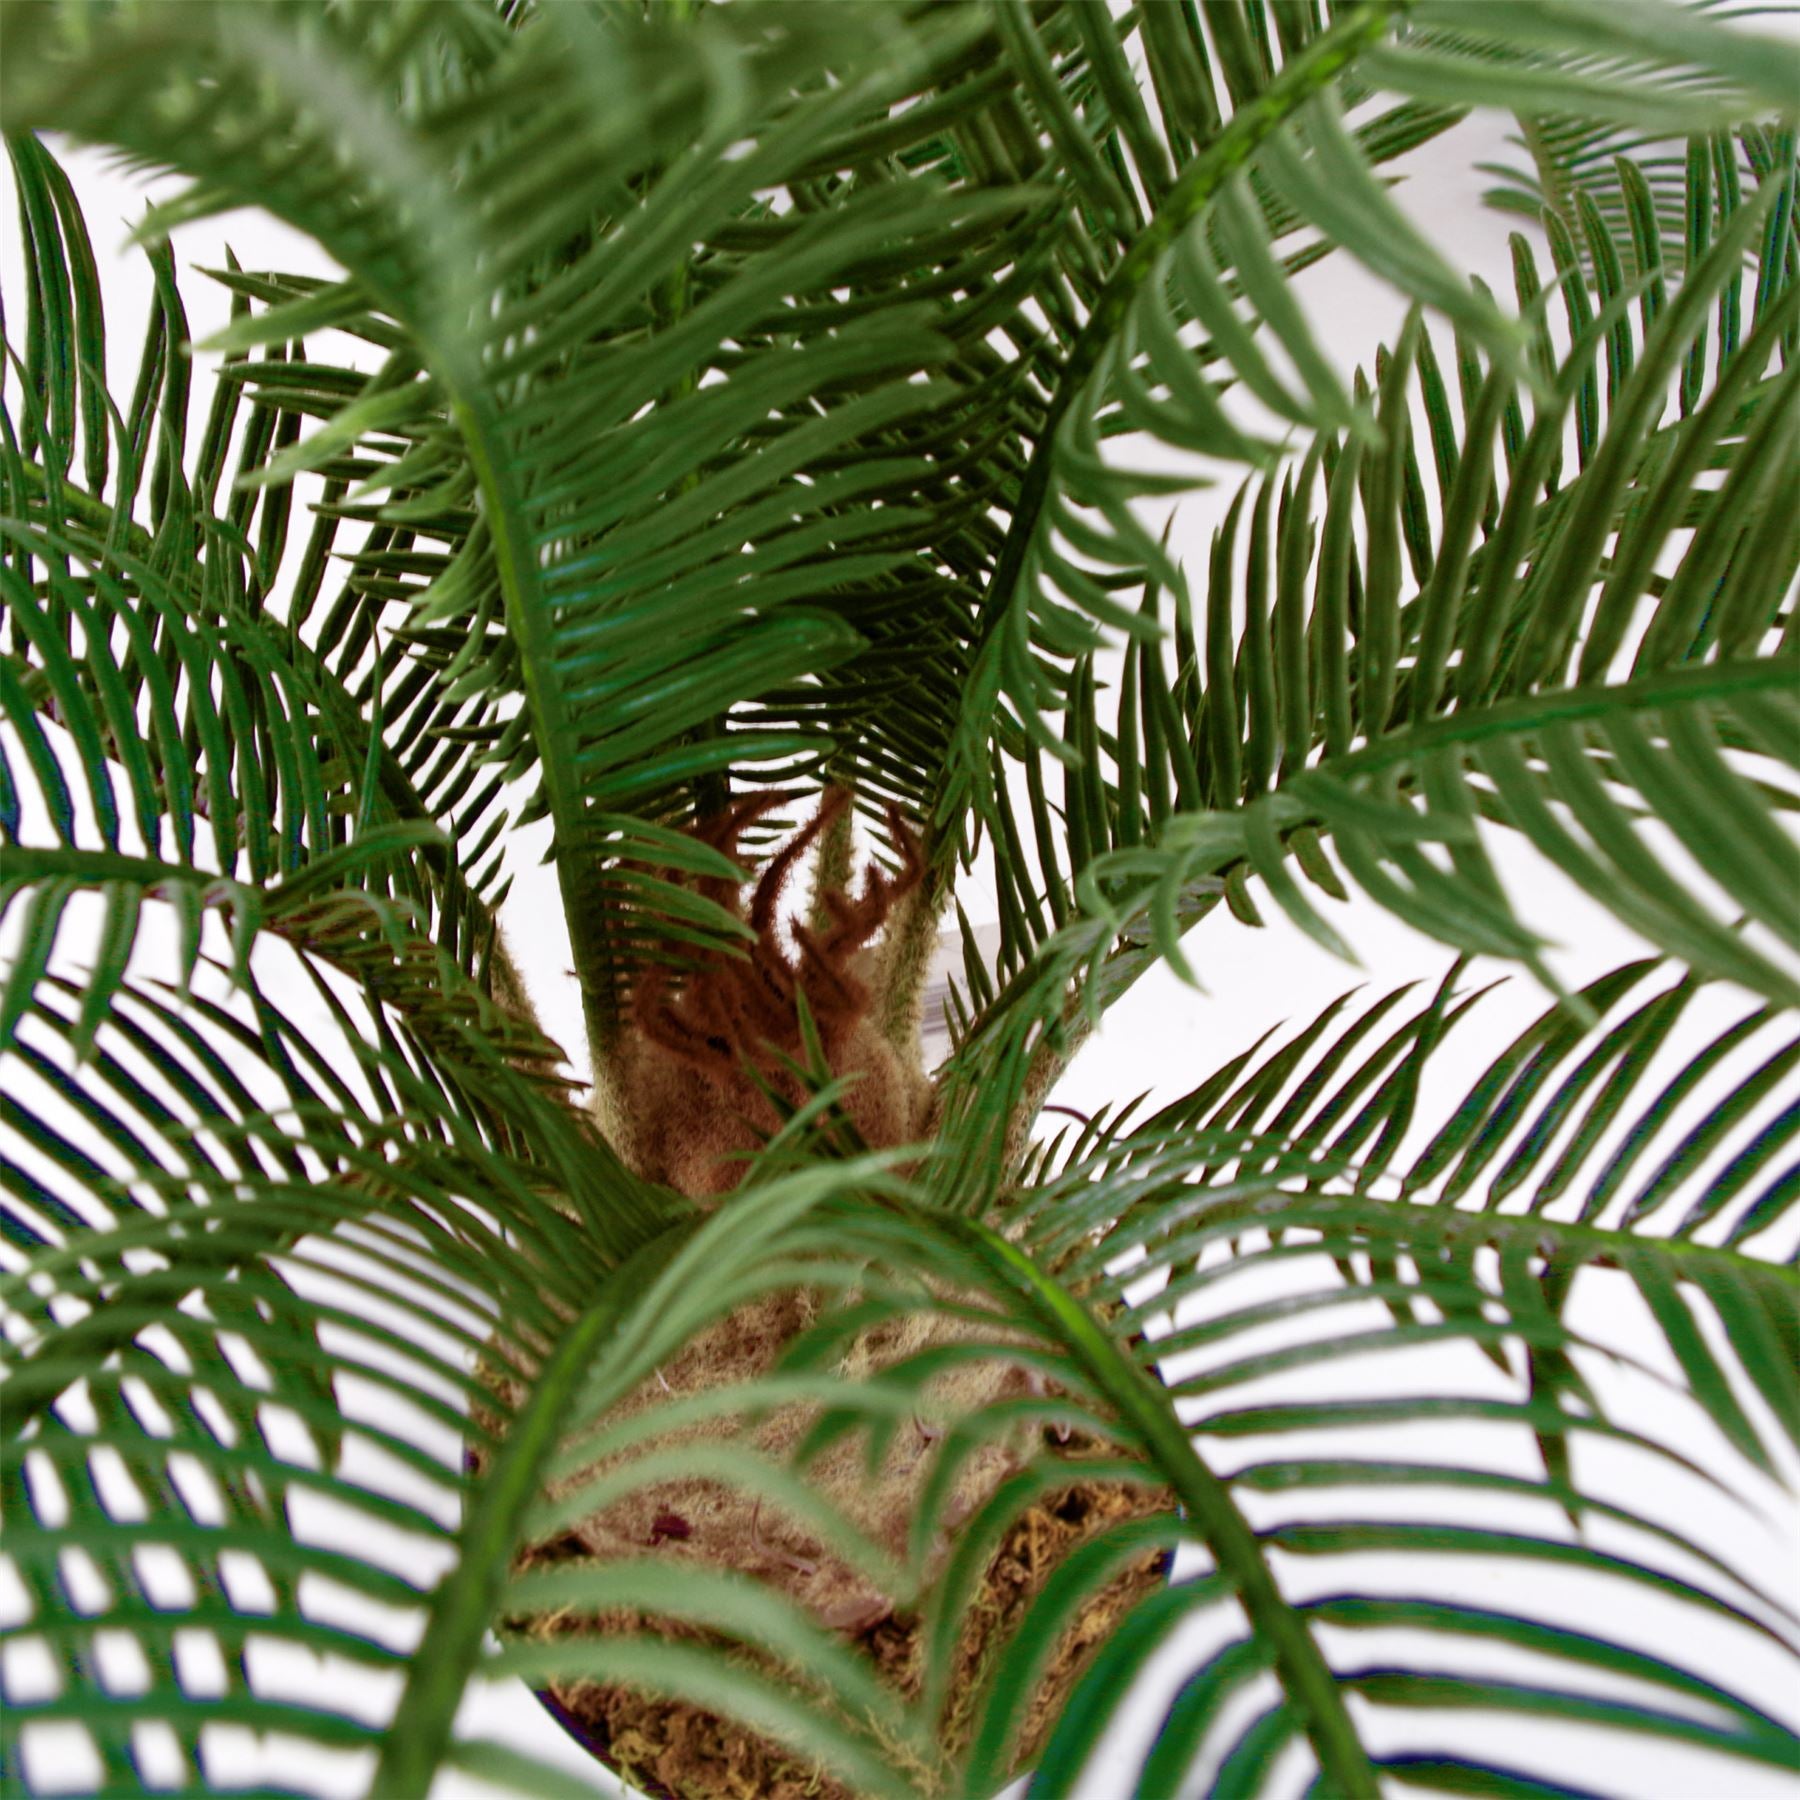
675	1751
720	1524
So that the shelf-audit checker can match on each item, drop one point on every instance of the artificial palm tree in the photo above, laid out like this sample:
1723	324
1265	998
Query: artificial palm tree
759	474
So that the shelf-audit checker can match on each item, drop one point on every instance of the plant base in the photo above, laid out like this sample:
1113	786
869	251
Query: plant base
674	1751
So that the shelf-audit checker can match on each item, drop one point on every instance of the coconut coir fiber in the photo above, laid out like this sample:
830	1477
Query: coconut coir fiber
676	1751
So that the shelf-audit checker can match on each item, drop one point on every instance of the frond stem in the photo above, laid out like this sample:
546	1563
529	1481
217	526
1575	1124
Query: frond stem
528	622
465	1602
1314	69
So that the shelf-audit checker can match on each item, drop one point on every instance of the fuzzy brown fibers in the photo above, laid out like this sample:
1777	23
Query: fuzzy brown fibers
717	1524
702	1046
695	1129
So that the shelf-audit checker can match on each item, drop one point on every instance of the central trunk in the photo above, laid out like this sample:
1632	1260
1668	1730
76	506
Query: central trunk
701	1074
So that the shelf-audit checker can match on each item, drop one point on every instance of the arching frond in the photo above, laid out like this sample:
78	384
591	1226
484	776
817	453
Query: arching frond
165	642
187	1350
1551	657
1310	1185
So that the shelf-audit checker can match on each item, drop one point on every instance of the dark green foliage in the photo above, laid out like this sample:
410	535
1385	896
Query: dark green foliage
743	407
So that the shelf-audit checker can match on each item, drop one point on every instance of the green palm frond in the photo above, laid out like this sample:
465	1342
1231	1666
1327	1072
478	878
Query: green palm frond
1212	1168
1299	1160
183	600
1394	686
623	716
1295	141
1656	194
1641	183
183	1303
400	248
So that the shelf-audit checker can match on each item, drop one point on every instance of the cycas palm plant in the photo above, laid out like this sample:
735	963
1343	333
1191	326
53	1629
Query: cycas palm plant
773	400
